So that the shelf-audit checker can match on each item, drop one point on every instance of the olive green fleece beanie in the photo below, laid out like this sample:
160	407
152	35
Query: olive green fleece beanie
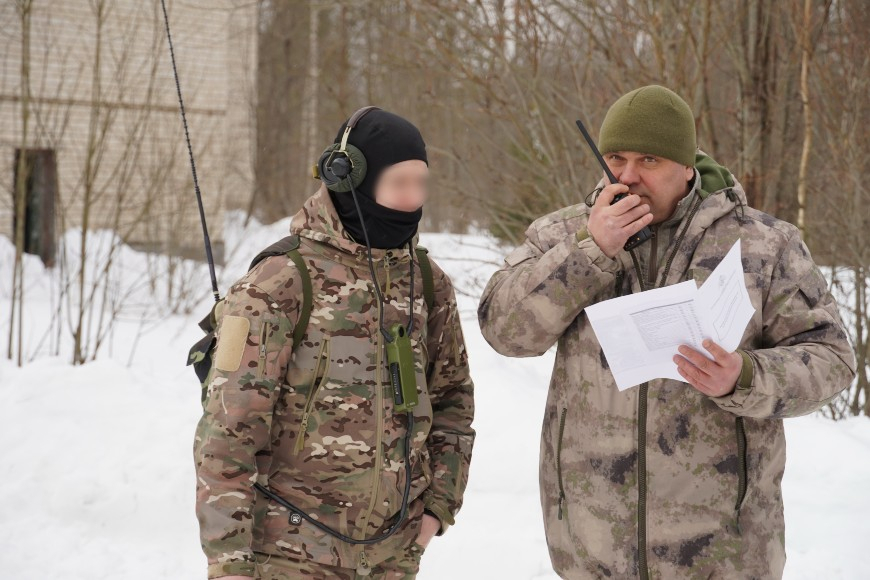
652	120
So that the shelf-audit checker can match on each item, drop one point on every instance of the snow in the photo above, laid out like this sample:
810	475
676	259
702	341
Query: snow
97	468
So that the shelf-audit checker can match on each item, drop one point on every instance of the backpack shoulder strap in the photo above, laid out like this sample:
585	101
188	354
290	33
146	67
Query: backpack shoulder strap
305	310
279	248
428	282
289	246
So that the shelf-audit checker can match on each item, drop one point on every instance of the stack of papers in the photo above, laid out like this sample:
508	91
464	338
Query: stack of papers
640	333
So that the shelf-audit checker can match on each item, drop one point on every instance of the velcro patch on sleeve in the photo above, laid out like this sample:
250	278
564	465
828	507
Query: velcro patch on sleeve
519	255
231	343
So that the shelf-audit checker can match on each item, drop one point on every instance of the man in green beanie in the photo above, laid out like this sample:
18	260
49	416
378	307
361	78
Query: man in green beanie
669	479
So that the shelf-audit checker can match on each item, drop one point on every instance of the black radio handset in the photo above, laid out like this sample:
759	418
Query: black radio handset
644	234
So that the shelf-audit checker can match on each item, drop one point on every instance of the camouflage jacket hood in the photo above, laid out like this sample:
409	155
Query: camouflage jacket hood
318	221
317	424
663	475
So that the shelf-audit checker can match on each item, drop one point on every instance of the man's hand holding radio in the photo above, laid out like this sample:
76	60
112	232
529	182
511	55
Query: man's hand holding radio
610	226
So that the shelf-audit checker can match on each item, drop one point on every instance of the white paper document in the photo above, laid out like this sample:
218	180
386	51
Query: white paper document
640	333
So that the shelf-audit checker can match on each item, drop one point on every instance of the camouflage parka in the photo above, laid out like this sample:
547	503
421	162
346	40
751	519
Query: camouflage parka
317	425
660	480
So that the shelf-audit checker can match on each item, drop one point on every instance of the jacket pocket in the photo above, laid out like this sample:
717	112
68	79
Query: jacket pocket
321	368
559	459
742	469
421	474
264	337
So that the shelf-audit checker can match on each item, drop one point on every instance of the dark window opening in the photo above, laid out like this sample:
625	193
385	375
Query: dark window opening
40	201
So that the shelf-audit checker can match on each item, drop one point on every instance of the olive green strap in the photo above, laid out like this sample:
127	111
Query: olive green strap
290	247
305	311
428	283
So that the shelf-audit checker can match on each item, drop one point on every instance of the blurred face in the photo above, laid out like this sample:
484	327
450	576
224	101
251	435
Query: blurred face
403	186
659	182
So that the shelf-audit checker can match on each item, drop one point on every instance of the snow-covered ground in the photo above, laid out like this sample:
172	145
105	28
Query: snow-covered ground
97	480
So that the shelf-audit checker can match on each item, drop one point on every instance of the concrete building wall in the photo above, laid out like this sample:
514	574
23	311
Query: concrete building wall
100	92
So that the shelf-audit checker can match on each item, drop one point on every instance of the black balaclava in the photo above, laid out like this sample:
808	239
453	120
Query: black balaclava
385	139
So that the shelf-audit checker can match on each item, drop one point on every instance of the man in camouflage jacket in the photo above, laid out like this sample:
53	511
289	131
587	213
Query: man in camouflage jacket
670	479
317	425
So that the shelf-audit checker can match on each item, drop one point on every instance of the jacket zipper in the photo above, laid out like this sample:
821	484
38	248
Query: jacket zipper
652	266
559	459
642	566
641	481
379	404
261	361
322	356
643	395
617	286
742	475
364	568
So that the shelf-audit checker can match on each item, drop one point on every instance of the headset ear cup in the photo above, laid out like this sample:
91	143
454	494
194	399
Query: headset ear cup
357	174
325	174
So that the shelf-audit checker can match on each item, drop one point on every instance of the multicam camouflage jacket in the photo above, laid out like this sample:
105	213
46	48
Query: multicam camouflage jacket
661	481
317	425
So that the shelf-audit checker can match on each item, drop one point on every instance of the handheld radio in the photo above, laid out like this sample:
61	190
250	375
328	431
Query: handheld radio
400	364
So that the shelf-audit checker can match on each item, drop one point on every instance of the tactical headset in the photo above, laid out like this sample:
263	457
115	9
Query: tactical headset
342	166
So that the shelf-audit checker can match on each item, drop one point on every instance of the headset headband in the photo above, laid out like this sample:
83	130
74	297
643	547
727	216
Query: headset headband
354	119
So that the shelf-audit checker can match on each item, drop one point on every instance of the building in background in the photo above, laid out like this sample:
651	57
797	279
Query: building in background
90	127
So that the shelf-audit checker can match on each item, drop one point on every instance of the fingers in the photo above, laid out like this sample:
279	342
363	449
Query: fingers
693	373
630	209
611	225
696	358
716	377
626	211
627	220
720	355
637	219
605	198
695	377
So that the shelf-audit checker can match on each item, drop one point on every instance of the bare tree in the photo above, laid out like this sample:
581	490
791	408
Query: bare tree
281	136
841	230
24	11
